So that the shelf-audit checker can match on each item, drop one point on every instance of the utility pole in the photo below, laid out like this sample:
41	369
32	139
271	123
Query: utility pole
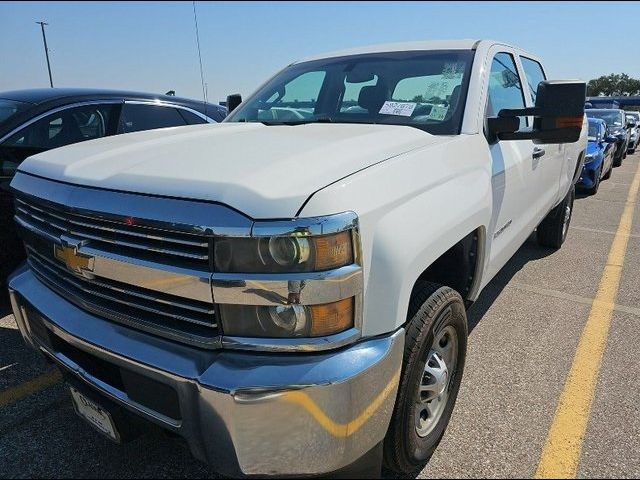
46	51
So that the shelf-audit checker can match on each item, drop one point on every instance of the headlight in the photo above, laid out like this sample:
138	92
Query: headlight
289	283
283	254
588	157
287	321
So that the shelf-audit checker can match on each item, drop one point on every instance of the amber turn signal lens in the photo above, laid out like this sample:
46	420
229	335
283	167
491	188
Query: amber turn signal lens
331	318
333	251
564	122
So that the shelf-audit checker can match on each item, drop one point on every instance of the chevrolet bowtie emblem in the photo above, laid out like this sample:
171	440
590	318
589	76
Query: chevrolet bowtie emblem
75	261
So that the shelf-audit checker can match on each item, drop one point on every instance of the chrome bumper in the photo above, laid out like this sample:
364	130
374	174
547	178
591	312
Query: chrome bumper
243	412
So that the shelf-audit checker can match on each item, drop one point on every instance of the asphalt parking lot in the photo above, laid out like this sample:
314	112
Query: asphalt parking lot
525	331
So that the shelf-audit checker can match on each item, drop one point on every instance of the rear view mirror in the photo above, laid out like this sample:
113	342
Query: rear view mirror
233	101
358	76
558	115
611	139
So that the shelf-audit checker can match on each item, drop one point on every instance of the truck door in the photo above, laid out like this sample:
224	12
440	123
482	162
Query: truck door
516	173
551	178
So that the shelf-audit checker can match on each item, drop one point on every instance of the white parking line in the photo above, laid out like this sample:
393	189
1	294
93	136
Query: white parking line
608	232
570	297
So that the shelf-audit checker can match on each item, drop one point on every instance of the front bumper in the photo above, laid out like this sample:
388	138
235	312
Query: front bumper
243	412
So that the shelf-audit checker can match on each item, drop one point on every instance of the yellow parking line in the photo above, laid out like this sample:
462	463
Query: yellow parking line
561	452
25	389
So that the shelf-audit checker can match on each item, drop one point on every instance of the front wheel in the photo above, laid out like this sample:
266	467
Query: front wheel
552	231
618	161
434	356
596	182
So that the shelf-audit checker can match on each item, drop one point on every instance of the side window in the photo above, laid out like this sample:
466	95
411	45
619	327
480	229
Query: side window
137	117
73	125
534	73
190	117
505	87
65	127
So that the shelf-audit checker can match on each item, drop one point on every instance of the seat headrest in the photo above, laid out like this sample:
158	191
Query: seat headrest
371	98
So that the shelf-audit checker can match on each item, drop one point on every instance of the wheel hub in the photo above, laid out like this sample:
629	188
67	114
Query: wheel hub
433	390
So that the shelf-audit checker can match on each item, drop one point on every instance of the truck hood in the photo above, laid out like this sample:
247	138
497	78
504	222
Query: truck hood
263	171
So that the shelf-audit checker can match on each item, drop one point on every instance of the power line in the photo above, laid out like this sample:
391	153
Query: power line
46	51
204	92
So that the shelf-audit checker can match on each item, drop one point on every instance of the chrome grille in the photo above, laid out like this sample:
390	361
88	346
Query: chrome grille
165	314
172	248
189	320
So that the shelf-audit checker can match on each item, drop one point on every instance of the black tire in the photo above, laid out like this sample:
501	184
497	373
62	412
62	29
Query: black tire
607	175
618	161
553	230
432	310
596	183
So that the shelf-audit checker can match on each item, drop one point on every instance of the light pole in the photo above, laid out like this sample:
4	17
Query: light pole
46	51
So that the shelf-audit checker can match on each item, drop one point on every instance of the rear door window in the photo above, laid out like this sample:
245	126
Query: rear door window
534	73
190	117
138	117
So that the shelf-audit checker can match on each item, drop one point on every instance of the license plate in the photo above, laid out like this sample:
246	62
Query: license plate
94	414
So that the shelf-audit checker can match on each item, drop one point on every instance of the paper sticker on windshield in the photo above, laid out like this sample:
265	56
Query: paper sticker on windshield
404	109
438	112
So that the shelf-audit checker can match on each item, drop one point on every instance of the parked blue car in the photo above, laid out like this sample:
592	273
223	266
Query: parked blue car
598	162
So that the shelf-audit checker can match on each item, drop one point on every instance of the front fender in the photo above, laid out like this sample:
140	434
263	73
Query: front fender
411	209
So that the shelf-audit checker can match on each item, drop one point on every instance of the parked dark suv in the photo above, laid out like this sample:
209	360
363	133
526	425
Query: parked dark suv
32	121
617	126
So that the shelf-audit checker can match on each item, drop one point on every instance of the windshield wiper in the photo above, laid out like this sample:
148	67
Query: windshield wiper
321	119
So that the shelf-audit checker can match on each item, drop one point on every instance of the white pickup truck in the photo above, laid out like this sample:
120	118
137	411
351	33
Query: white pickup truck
287	290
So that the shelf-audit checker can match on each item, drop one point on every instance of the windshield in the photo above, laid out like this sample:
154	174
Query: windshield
613	118
634	115
420	89
594	129
8	108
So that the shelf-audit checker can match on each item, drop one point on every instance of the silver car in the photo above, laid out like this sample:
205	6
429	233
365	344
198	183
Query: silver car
633	120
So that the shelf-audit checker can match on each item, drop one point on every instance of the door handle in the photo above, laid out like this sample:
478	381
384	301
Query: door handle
538	152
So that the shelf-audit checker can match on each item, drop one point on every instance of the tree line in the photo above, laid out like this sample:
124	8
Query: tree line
614	84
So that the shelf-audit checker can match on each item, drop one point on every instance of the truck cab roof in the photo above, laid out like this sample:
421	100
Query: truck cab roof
459	44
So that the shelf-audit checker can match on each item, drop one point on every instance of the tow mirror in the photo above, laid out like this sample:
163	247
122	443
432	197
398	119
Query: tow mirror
233	101
557	116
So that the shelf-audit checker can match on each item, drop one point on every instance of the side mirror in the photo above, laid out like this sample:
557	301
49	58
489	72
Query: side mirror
558	115
233	101
611	139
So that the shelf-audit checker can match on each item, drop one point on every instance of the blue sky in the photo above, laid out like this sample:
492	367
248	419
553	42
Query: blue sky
151	46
